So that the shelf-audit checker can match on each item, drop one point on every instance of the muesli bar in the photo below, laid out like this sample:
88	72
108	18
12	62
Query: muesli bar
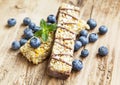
60	63
37	55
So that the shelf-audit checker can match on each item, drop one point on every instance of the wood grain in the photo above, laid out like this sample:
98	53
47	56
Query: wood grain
16	70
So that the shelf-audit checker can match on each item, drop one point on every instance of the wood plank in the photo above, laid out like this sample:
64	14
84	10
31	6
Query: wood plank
16	70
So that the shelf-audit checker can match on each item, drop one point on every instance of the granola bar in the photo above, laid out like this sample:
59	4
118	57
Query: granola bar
37	55
60	63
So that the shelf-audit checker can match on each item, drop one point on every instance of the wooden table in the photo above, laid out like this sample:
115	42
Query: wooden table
16	70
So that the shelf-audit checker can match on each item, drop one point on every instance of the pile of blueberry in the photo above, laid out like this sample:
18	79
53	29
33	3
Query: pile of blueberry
29	32
86	38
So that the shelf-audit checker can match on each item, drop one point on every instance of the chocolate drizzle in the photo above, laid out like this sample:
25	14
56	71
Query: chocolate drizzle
69	15
61	55
70	9
61	61
66	29
68	23
64	45
65	38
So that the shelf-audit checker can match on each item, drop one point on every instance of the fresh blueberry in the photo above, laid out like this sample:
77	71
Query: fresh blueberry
77	65
103	29
32	25
23	41
93	37
77	45
26	21
92	23
27	30
84	53
36	28
28	33
84	33
35	42
103	51
11	22
51	19
15	45
84	40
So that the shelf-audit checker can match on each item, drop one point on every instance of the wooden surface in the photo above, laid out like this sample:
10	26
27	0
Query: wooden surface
16	70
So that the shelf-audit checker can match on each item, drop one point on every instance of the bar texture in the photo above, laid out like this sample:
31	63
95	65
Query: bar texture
69	25
37	55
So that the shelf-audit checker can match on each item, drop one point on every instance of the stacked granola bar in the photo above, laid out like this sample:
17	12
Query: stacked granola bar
60	63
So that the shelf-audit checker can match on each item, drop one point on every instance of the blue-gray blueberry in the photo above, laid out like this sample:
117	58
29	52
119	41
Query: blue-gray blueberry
35	42
84	53
51	19
77	65
103	29
84	40
26	21
92	23
11	22
15	45
103	51
77	45
93	37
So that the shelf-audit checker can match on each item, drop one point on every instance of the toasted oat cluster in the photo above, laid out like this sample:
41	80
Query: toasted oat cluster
37	55
69	25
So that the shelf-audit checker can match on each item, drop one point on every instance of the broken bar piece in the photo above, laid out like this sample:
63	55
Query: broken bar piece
38	55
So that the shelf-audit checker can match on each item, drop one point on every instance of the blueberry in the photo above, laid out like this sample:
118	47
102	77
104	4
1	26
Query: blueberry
92	23
15	45
32	25
84	33
36	28
28	33
103	29
77	45
84	53
93	37
23	41
83	40
35	42
26	21
27	30
103	51
51	19
77	65
11	22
